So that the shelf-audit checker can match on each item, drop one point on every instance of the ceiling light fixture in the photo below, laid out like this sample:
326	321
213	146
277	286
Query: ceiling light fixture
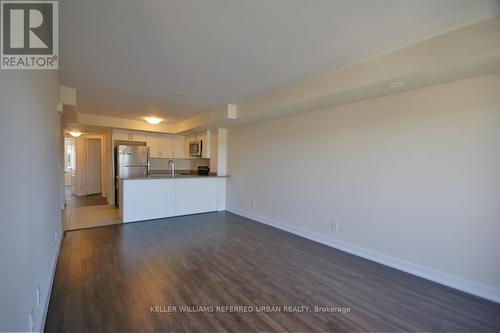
395	84
75	134
153	120
183	95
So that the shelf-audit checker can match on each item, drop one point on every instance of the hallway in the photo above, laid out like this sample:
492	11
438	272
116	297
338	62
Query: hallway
88	211
85	201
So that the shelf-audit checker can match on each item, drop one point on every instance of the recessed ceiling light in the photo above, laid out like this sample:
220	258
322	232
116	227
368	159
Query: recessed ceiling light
183	95
153	120
395	84
75	134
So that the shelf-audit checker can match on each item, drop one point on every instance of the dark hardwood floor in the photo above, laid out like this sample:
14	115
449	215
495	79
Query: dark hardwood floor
124	277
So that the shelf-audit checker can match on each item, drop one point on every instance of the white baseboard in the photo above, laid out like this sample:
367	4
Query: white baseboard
448	280
49	291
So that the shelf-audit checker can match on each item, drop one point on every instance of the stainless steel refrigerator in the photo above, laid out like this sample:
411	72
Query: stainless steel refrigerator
131	161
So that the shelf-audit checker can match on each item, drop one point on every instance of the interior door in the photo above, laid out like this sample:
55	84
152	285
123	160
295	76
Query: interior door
93	157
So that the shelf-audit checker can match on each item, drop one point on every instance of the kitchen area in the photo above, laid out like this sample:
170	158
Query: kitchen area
162	175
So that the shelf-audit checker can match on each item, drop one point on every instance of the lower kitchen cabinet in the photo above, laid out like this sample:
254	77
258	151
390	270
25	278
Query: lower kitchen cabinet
147	199
193	196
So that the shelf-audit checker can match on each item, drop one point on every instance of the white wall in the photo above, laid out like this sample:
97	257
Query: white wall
30	202
412	178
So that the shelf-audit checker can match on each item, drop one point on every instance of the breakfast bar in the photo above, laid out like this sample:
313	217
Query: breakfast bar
160	196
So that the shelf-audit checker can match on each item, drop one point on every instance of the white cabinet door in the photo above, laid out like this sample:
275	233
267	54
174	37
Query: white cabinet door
214	141
206	150
145	199
165	146
121	135
195	195
178	146
139	136
153	144
126	135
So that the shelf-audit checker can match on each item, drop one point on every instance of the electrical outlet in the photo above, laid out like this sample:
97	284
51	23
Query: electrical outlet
335	226
253	204
38	296
55	236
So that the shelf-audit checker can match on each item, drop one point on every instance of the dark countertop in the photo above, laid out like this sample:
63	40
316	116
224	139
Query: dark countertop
178	174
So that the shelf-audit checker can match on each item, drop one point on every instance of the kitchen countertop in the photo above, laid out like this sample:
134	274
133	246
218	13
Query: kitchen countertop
181	174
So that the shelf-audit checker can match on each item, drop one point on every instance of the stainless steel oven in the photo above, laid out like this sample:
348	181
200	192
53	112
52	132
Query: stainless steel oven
195	148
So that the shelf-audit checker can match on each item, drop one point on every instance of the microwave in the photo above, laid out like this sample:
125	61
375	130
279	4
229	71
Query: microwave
195	148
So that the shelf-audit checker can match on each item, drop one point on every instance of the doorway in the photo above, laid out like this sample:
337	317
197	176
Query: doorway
87	206
69	161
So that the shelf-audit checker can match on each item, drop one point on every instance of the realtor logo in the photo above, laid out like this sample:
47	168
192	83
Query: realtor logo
29	35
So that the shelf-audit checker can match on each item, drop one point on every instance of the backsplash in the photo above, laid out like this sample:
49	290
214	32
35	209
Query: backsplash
158	164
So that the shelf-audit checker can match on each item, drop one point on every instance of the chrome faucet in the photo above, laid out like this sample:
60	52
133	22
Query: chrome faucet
171	167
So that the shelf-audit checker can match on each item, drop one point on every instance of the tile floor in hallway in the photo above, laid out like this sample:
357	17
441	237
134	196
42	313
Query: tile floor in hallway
88	211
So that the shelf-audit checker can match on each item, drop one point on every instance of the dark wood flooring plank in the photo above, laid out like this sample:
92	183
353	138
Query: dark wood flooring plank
108	278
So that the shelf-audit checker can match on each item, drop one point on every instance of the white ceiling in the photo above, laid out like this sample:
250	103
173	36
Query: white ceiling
131	58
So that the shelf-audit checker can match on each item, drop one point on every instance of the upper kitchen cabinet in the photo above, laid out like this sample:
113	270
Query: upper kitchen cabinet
160	145
153	143
125	135
139	137
165	146
207	146
122	135
178	146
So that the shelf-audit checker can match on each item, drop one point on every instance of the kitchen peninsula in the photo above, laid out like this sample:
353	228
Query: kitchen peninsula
161	195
